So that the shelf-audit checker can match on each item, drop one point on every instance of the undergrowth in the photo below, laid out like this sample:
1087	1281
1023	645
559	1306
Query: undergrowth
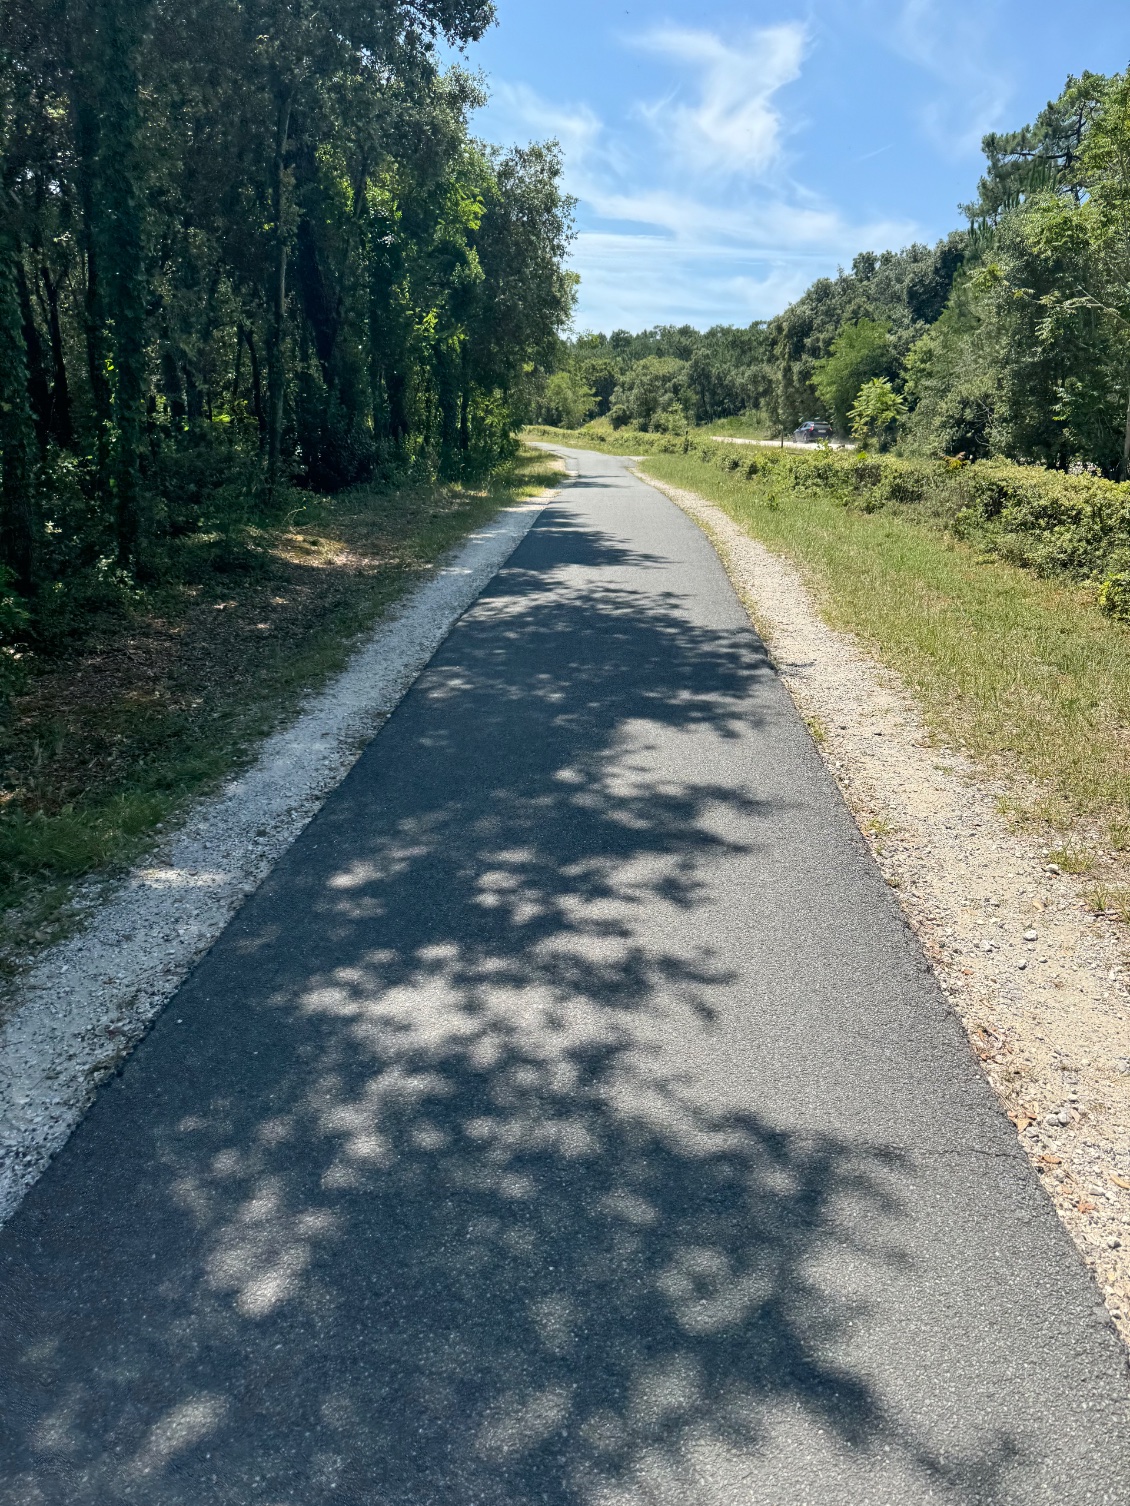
107	738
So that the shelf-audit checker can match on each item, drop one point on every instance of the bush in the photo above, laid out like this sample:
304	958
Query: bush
566	402
1114	596
1051	522
1046	521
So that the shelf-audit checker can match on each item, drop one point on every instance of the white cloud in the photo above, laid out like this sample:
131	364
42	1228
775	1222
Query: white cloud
634	281
761	226
696	263
742	242
577	127
733	126
953	46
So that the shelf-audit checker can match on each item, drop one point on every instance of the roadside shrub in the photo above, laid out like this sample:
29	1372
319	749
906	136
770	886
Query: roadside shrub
1051	522
1048	521
1114	596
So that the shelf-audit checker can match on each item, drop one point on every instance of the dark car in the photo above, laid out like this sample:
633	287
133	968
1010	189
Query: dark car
813	430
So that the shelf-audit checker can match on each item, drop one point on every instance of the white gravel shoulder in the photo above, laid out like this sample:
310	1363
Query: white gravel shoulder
1039	980
84	1004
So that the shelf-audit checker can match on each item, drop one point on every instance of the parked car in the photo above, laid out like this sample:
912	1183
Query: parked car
813	431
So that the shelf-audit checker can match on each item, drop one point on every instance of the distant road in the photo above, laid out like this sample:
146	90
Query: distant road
785	444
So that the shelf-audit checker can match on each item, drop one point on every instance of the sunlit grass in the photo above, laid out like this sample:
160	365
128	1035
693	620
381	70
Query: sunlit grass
1023	671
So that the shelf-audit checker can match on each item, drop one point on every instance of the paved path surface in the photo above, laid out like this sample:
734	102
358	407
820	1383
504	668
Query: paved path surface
569	1119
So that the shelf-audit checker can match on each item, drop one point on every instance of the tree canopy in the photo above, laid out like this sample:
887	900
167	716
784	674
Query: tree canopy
246	246
1009	338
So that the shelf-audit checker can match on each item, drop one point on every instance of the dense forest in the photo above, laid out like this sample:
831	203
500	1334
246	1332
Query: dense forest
246	247
1010	338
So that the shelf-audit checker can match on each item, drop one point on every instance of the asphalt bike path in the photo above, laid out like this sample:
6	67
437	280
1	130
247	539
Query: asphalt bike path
570	1118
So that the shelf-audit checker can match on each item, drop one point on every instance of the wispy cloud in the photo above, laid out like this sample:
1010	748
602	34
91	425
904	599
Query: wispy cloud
577	127
633	281
742	240
690	261
761	225
733	126
955	46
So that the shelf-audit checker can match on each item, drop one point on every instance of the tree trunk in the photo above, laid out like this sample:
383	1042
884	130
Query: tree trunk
87	133
256	384
17	434
62	425
237	375
322	315
38	383
399	419
1124	469
447	396
173	383
102	40
125	300
465	401
276	329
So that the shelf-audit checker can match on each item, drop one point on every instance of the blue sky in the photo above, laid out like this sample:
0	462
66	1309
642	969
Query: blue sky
726	154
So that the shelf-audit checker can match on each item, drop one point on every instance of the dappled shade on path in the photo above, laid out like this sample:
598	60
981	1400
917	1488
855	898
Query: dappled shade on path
513	1146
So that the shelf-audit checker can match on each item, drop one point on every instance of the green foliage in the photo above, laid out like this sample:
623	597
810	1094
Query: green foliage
1039	158
667	377
566	402
1032	358
860	353
906	291
1114	596
257	251
1004	663
1054	524
876	412
651	390
1010	341
14	615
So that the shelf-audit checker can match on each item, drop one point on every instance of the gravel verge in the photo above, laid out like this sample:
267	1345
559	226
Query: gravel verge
83	1005
1039	980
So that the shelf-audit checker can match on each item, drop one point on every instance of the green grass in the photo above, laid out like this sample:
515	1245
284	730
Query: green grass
1023	671
105	747
745	426
598	435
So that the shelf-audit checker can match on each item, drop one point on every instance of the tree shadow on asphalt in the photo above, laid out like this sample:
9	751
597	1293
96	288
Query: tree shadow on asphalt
441	1207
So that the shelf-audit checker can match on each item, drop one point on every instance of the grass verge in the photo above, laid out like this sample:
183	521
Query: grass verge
106	744
1025	672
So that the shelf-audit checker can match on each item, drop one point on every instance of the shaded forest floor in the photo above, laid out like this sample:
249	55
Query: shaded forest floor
107	741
